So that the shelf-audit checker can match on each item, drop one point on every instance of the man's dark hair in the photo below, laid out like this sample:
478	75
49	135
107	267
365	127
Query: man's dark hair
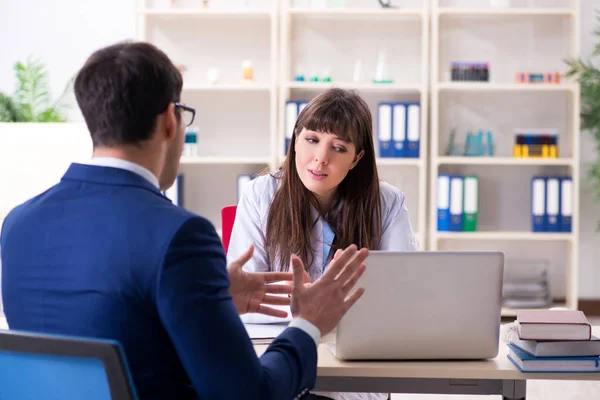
122	88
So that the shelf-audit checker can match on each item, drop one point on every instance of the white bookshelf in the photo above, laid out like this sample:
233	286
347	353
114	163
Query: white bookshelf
362	12
503	87
511	40
365	87
236	120
204	13
312	40
510	11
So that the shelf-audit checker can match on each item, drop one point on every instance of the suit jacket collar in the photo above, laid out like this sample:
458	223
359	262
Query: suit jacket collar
107	176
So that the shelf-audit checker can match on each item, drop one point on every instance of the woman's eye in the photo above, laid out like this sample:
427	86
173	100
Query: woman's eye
340	149
311	140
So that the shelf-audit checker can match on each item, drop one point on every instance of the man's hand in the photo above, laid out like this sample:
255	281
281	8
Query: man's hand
251	290
325	302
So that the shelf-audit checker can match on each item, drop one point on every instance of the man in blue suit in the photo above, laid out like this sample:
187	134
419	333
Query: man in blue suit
104	254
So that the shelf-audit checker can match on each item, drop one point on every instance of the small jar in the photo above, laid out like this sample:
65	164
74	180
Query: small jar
247	71
190	147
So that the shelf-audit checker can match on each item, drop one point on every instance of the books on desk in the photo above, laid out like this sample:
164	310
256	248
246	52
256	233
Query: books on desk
527	363
554	348
553	325
554	341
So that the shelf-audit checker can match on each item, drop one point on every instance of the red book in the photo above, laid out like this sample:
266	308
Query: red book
553	325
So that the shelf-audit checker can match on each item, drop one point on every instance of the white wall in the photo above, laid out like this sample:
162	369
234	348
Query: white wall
67	31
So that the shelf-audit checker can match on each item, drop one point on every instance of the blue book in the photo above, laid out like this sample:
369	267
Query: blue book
443	203
456	203
527	363
539	218
385	129
399	126
175	192
553	203
566	204
291	115
413	130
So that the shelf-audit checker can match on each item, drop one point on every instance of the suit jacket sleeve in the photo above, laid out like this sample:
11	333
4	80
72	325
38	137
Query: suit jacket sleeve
196	309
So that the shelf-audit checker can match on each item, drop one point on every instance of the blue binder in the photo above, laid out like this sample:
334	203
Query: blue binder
456	203
566	204
553	203
539	218
175	192
399	126
385	129
291	115
443	203
413	129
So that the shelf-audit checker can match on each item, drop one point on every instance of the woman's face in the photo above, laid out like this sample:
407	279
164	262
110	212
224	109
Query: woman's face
323	161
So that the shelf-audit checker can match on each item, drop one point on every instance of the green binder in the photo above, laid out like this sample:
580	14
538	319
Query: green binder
470	203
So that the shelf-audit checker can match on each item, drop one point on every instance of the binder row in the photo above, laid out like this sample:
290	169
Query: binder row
175	192
399	129
457	203
292	111
551	204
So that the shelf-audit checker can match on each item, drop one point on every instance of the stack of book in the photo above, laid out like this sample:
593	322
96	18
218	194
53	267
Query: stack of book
554	341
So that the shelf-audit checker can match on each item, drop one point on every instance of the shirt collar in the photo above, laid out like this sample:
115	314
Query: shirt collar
126	165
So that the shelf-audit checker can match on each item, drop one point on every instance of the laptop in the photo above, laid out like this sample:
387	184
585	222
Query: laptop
425	305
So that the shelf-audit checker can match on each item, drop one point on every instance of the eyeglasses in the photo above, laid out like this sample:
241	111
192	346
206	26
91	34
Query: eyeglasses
188	113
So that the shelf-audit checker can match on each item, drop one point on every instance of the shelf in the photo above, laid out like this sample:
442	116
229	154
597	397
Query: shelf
512	312
228	87
372	87
509	11
187	160
413	162
505	235
363	13
207	13
504	161
505	87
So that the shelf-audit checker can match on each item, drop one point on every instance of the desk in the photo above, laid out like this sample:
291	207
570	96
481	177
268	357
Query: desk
3	324
497	376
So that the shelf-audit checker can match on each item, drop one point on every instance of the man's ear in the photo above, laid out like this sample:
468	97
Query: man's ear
357	158
169	121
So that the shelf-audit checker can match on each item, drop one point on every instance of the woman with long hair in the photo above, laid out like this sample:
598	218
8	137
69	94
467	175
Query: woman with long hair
326	196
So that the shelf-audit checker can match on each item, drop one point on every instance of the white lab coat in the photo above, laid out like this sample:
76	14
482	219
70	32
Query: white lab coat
250	228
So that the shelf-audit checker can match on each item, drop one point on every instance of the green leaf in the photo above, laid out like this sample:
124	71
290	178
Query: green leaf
32	92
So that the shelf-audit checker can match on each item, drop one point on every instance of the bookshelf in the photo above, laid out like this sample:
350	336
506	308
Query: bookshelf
244	141
287	38
314	40
530	36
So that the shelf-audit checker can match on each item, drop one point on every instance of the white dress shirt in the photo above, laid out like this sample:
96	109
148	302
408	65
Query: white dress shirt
250	228
126	165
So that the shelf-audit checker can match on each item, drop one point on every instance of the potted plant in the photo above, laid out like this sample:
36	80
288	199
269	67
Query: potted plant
32	101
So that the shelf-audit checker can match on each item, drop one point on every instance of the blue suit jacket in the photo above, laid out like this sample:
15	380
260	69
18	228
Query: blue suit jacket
104	254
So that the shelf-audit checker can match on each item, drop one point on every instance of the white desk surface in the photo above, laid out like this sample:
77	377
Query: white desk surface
3	324
496	368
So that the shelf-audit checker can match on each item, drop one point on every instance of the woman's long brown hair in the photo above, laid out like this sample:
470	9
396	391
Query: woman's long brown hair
355	214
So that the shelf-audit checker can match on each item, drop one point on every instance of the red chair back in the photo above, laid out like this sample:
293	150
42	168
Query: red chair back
227	220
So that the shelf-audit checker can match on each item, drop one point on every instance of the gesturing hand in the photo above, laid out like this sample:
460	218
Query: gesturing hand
252	290
325	302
